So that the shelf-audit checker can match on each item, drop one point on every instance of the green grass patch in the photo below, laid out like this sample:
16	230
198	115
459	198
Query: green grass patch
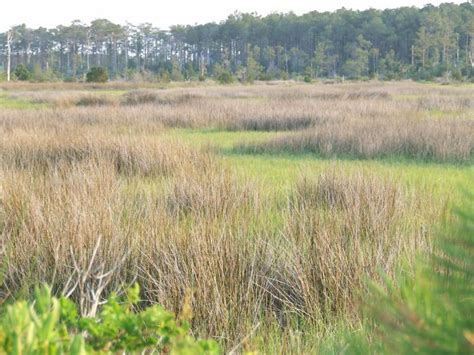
13	103
224	140
109	92
281	171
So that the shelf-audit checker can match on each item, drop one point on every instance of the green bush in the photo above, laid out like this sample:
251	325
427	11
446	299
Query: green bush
307	79
22	73
53	326
97	75
456	74
225	77
308	75
467	71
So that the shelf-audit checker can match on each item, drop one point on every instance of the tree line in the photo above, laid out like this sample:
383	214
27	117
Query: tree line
407	42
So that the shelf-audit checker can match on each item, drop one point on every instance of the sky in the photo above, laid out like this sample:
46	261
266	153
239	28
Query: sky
162	14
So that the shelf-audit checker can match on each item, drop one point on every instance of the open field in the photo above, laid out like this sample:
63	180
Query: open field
271	205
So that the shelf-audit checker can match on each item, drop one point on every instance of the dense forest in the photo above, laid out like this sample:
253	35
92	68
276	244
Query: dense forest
408	42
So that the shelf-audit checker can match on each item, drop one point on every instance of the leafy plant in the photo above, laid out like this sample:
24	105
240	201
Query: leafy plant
53	326
33	328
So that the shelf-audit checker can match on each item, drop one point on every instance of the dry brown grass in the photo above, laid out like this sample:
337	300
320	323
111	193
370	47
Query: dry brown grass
141	97
203	230
341	224
64	99
337	109
128	155
447	140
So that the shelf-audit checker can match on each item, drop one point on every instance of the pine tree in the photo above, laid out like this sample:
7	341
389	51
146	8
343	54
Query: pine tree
432	312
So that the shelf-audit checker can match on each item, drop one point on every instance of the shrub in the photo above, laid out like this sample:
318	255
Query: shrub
307	79
23	73
456	74
49	325
97	75
27	328
225	77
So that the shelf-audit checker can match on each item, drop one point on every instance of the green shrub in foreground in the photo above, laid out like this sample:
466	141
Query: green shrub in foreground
53	326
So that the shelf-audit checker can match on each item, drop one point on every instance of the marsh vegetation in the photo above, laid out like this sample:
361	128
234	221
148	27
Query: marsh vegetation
270	206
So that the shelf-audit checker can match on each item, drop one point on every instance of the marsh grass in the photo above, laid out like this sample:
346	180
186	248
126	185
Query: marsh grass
448	140
128	156
207	231
181	221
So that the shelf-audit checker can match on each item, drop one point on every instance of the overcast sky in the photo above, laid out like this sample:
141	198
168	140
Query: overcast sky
50	13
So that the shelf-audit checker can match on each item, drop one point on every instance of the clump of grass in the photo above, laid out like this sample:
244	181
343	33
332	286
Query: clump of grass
339	230
208	193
